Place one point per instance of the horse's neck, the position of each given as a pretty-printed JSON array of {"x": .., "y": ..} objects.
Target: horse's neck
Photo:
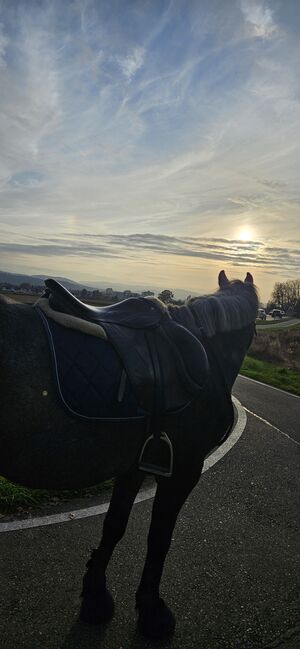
[{"x": 229, "y": 349}]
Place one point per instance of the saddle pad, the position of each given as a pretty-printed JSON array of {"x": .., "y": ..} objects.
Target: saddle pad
[{"x": 89, "y": 375}]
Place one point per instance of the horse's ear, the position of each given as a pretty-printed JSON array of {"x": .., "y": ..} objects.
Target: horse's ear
[
  {"x": 249, "y": 278},
  {"x": 222, "y": 279}
]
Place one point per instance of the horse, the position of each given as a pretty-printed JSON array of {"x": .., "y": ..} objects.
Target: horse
[{"x": 45, "y": 445}]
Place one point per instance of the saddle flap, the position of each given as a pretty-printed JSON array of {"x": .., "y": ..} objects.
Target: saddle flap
[
  {"x": 182, "y": 361},
  {"x": 132, "y": 348},
  {"x": 189, "y": 356}
]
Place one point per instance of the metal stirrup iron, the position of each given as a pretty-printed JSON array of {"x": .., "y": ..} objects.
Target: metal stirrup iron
[{"x": 157, "y": 455}]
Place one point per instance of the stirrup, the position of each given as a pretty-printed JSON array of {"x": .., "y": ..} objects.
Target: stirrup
[{"x": 157, "y": 456}]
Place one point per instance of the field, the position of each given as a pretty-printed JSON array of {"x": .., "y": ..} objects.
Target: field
[
  {"x": 25, "y": 298},
  {"x": 274, "y": 358},
  {"x": 31, "y": 298},
  {"x": 279, "y": 346}
]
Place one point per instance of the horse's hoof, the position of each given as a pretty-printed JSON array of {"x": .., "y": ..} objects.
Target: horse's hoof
[
  {"x": 156, "y": 622},
  {"x": 97, "y": 610}
]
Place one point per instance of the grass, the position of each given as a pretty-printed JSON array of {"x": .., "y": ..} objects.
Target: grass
[
  {"x": 21, "y": 500},
  {"x": 278, "y": 346},
  {"x": 276, "y": 375},
  {"x": 274, "y": 358}
]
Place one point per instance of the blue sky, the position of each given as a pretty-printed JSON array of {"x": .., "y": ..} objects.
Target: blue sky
[{"x": 150, "y": 142}]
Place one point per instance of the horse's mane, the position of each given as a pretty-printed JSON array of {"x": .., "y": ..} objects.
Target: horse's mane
[{"x": 232, "y": 307}]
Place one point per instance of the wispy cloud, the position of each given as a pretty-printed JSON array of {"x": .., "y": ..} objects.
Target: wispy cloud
[
  {"x": 150, "y": 246},
  {"x": 259, "y": 17},
  {"x": 170, "y": 117},
  {"x": 132, "y": 62},
  {"x": 3, "y": 45}
]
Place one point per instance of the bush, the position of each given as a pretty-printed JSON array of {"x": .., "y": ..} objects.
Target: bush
[{"x": 280, "y": 347}]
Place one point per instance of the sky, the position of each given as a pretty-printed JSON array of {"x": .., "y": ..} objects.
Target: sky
[{"x": 150, "y": 142}]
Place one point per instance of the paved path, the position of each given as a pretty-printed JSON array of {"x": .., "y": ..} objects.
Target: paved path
[
  {"x": 276, "y": 322},
  {"x": 232, "y": 575}
]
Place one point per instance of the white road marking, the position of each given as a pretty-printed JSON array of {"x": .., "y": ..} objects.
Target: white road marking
[
  {"x": 146, "y": 494},
  {"x": 272, "y": 387},
  {"x": 265, "y": 421},
  {"x": 231, "y": 440}
]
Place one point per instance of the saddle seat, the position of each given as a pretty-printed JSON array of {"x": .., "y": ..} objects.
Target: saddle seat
[
  {"x": 166, "y": 364},
  {"x": 135, "y": 312}
]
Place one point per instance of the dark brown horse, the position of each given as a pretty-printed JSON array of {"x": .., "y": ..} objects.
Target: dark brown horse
[{"x": 44, "y": 445}]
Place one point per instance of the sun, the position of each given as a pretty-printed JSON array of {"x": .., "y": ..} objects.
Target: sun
[{"x": 245, "y": 234}]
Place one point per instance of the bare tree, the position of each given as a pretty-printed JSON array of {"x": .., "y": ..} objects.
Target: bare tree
[{"x": 286, "y": 294}]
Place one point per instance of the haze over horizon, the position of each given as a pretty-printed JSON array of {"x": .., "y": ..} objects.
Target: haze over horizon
[{"x": 150, "y": 143}]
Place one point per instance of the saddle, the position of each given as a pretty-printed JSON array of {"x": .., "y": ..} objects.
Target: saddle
[
  {"x": 165, "y": 363},
  {"x": 135, "y": 312}
]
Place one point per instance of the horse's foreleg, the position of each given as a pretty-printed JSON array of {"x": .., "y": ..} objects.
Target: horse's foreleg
[
  {"x": 155, "y": 618},
  {"x": 97, "y": 603}
]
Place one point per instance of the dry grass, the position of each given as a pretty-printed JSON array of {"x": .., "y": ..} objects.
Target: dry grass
[
  {"x": 25, "y": 298},
  {"x": 281, "y": 347}
]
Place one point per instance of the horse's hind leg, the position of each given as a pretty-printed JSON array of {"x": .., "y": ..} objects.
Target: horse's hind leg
[
  {"x": 155, "y": 618},
  {"x": 97, "y": 605}
]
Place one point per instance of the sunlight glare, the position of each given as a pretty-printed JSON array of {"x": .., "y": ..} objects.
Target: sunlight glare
[{"x": 245, "y": 234}]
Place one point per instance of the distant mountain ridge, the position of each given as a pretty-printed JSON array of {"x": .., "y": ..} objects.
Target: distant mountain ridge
[{"x": 35, "y": 280}]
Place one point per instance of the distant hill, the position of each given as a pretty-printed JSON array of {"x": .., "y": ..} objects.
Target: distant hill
[{"x": 36, "y": 280}]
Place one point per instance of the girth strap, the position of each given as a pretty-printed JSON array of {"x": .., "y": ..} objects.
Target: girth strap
[{"x": 159, "y": 401}]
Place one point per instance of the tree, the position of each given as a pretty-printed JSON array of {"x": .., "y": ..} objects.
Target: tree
[
  {"x": 297, "y": 309},
  {"x": 285, "y": 294},
  {"x": 166, "y": 296}
]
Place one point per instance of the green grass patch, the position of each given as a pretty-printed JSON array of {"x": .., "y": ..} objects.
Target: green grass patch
[
  {"x": 276, "y": 375},
  {"x": 17, "y": 499}
]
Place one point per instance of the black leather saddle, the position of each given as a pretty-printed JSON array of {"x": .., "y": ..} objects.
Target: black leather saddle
[
  {"x": 166, "y": 364},
  {"x": 135, "y": 312}
]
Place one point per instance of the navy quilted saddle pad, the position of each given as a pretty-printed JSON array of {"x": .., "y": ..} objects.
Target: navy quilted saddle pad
[{"x": 89, "y": 375}]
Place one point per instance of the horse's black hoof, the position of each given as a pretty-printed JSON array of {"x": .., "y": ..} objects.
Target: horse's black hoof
[
  {"x": 97, "y": 610},
  {"x": 156, "y": 622}
]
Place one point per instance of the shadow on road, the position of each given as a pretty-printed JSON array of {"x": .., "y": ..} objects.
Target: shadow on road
[{"x": 82, "y": 636}]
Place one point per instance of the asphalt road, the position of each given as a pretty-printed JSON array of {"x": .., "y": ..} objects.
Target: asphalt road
[
  {"x": 232, "y": 574},
  {"x": 275, "y": 322},
  {"x": 280, "y": 409}
]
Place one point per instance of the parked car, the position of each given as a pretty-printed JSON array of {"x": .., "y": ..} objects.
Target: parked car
[
  {"x": 261, "y": 314},
  {"x": 276, "y": 313}
]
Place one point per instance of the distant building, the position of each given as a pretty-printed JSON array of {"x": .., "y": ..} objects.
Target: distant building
[{"x": 109, "y": 291}]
